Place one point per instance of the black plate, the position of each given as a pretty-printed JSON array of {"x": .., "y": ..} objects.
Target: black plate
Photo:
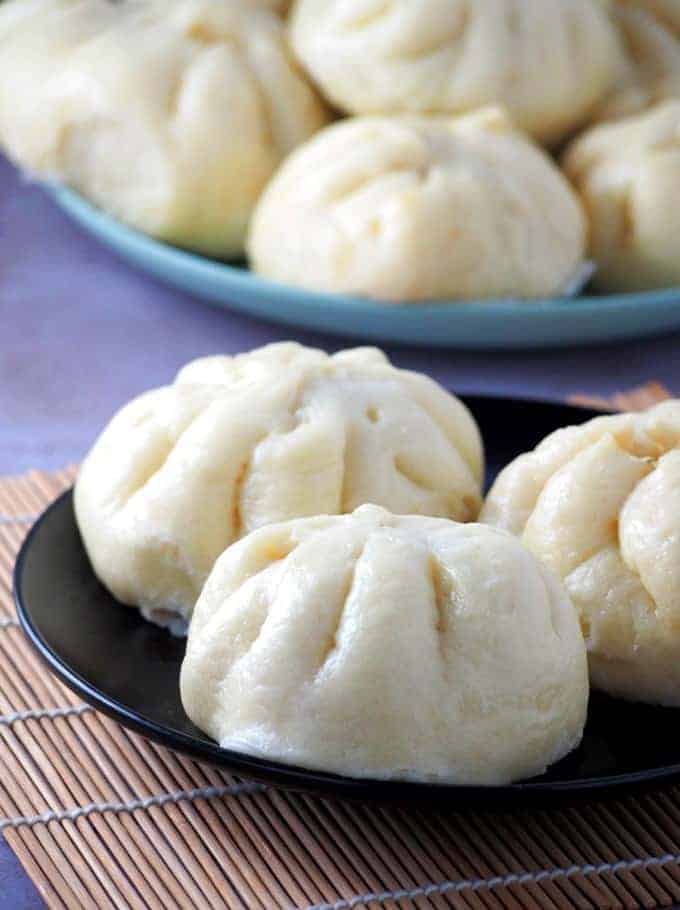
[{"x": 129, "y": 669}]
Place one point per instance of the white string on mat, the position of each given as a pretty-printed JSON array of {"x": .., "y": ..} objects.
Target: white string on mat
[
  {"x": 148, "y": 802},
  {"x": 18, "y": 519},
  {"x": 8, "y": 720},
  {"x": 498, "y": 881},
  {"x": 8, "y": 623}
]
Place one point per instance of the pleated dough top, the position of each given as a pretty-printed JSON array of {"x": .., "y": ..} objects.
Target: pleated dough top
[
  {"x": 239, "y": 442},
  {"x": 394, "y": 647},
  {"x": 549, "y": 62}
]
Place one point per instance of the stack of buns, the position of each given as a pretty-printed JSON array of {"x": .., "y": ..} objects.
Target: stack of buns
[
  {"x": 486, "y": 148},
  {"x": 353, "y": 606},
  {"x": 310, "y": 519}
]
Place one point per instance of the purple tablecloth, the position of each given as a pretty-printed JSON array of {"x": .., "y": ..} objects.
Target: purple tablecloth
[
  {"x": 80, "y": 333},
  {"x": 16, "y": 890}
]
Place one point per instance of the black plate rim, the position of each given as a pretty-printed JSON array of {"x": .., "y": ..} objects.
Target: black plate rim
[{"x": 278, "y": 773}]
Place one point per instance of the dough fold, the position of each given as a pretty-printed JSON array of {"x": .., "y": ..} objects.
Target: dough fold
[
  {"x": 550, "y": 63},
  {"x": 239, "y": 442}
]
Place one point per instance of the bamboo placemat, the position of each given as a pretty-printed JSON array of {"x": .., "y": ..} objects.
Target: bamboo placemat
[{"x": 100, "y": 818}]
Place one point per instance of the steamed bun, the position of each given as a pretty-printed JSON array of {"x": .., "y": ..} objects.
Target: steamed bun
[
  {"x": 600, "y": 505},
  {"x": 170, "y": 114},
  {"x": 414, "y": 208},
  {"x": 239, "y": 442},
  {"x": 628, "y": 176},
  {"x": 651, "y": 60},
  {"x": 385, "y": 647},
  {"x": 548, "y": 62}
]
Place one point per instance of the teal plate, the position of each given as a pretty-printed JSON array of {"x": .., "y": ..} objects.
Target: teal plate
[{"x": 479, "y": 325}]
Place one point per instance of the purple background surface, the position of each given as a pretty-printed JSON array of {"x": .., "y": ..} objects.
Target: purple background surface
[
  {"x": 80, "y": 333},
  {"x": 16, "y": 889}
]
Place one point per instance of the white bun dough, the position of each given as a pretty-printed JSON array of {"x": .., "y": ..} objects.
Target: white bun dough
[
  {"x": 650, "y": 69},
  {"x": 549, "y": 62},
  {"x": 239, "y": 442},
  {"x": 170, "y": 115},
  {"x": 277, "y": 6},
  {"x": 376, "y": 646},
  {"x": 600, "y": 505},
  {"x": 628, "y": 176},
  {"x": 420, "y": 208}
]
